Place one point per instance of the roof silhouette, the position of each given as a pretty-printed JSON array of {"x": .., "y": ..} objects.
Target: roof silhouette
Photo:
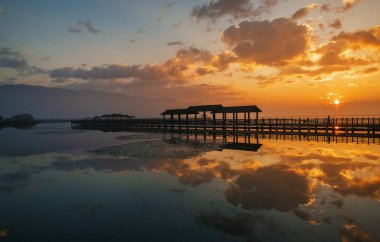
[{"x": 238, "y": 109}]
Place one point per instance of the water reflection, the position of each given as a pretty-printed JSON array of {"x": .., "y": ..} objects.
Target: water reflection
[
  {"x": 271, "y": 187},
  {"x": 184, "y": 189}
]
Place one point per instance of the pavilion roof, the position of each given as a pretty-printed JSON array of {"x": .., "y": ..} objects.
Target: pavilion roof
[
  {"x": 238, "y": 109},
  {"x": 178, "y": 111},
  {"x": 205, "y": 107}
]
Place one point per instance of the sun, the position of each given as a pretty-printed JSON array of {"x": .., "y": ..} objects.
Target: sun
[{"x": 336, "y": 101}]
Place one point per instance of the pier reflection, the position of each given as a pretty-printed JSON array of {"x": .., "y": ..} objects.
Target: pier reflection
[{"x": 251, "y": 142}]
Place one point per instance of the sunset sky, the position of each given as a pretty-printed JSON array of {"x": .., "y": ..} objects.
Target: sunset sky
[{"x": 288, "y": 57}]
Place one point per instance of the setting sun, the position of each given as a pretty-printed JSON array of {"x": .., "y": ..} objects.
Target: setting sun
[{"x": 336, "y": 102}]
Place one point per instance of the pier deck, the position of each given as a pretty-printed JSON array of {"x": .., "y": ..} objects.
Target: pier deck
[{"x": 346, "y": 127}]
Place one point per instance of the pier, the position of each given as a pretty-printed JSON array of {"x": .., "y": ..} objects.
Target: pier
[{"x": 216, "y": 120}]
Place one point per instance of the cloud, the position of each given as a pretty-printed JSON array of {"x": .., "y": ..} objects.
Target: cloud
[
  {"x": 113, "y": 165},
  {"x": 171, "y": 78},
  {"x": 369, "y": 70},
  {"x": 10, "y": 53},
  {"x": 178, "y": 69},
  {"x": 237, "y": 224},
  {"x": 83, "y": 25},
  {"x": 347, "y": 5},
  {"x": 268, "y": 188},
  {"x": 325, "y": 7},
  {"x": 267, "y": 42},
  {"x": 11, "y": 182},
  {"x": 169, "y": 5},
  {"x": 175, "y": 43},
  {"x": 333, "y": 52},
  {"x": 336, "y": 24},
  {"x": 302, "y": 12},
  {"x": 354, "y": 232},
  {"x": 343, "y": 52},
  {"x": 12, "y": 63},
  {"x": 235, "y": 9},
  {"x": 74, "y": 29},
  {"x": 265, "y": 7},
  {"x": 12, "y": 59},
  {"x": 216, "y": 9},
  {"x": 141, "y": 73},
  {"x": 87, "y": 25}
]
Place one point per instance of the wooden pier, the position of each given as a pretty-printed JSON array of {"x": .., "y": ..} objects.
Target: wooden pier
[
  {"x": 352, "y": 127},
  {"x": 179, "y": 121},
  {"x": 237, "y": 121}
]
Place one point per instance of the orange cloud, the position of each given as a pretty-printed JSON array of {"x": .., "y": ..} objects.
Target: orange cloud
[
  {"x": 267, "y": 42},
  {"x": 336, "y": 24},
  {"x": 347, "y": 5},
  {"x": 332, "y": 53},
  {"x": 303, "y": 12}
]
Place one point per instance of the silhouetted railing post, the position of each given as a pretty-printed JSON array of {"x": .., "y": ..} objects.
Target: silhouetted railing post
[
  {"x": 245, "y": 123},
  {"x": 179, "y": 123},
  {"x": 163, "y": 117},
  {"x": 187, "y": 122},
  {"x": 249, "y": 123},
  {"x": 196, "y": 125},
  {"x": 257, "y": 122},
  {"x": 171, "y": 123}
]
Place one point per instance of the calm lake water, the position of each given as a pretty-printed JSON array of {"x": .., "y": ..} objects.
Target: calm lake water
[{"x": 58, "y": 184}]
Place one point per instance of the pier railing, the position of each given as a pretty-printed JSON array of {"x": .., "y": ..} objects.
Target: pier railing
[{"x": 349, "y": 127}]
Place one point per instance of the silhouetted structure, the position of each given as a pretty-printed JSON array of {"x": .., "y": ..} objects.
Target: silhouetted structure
[
  {"x": 115, "y": 116},
  {"x": 18, "y": 121},
  {"x": 237, "y": 121}
]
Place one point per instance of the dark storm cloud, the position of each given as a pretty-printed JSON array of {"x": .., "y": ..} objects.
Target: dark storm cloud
[{"x": 267, "y": 42}]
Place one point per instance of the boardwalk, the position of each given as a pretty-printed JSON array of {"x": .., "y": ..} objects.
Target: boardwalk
[
  {"x": 345, "y": 127},
  {"x": 236, "y": 121}
]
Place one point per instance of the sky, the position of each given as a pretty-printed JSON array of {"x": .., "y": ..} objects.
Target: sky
[{"x": 291, "y": 57}]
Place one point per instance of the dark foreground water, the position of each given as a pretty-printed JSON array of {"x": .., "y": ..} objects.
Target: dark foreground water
[{"x": 62, "y": 185}]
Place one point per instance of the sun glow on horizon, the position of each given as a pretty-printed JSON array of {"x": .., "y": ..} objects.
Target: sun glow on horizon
[{"x": 336, "y": 101}]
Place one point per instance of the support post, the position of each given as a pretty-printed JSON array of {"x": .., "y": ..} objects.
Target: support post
[
  {"x": 249, "y": 123},
  {"x": 171, "y": 123},
  {"x": 179, "y": 123},
  {"x": 163, "y": 117},
  {"x": 187, "y": 123},
  {"x": 257, "y": 122}
]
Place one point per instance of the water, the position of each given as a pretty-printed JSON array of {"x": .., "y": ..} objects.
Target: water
[{"x": 62, "y": 185}]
